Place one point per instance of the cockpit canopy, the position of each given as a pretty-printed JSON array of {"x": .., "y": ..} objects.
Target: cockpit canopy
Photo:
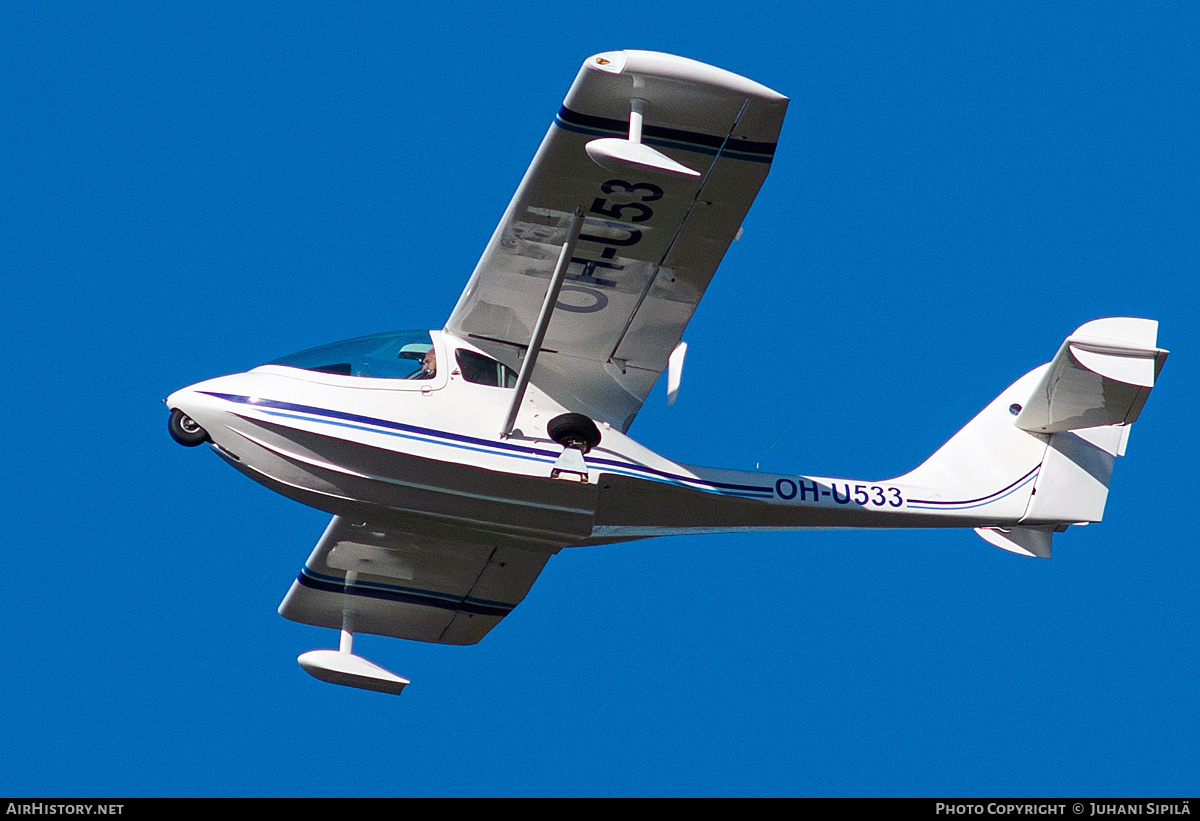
[{"x": 396, "y": 355}]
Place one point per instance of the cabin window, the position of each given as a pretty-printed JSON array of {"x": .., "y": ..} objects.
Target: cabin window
[
  {"x": 483, "y": 370},
  {"x": 397, "y": 355}
]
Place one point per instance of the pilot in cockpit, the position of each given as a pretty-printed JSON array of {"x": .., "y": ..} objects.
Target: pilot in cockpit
[
  {"x": 425, "y": 354},
  {"x": 428, "y": 366}
]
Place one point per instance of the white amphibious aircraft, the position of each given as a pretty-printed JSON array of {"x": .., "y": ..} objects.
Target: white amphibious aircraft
[{"x": 456, "y": 462}]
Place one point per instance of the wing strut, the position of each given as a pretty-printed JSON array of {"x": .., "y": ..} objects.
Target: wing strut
[{"x": 543, "y": 320}]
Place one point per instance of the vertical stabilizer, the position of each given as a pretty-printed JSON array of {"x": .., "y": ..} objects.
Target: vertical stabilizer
[{"x": 1041, "y": 455}]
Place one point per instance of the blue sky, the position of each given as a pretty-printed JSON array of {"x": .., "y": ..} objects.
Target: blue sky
[{"x": 191, "y": 192}]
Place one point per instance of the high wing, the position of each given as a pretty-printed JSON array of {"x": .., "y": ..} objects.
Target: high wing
[
  {"x": 447, "y": 587},
  {"x": 651, "y": 239}
]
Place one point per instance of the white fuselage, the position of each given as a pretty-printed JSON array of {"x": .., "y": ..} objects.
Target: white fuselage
[{"x": 432, "y": 450}]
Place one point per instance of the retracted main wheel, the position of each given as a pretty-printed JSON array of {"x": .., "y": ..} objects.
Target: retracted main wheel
[
  {"x": 574, "y": 430},
  {"x": 185, "y": 430}
]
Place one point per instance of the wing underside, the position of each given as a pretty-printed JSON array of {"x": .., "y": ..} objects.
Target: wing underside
[
  {"x": 448, "y": 588},
  {"x": 651, "y": 240}
]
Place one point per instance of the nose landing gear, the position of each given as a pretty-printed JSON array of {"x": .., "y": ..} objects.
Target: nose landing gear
[{"x": 185, "y": 430}]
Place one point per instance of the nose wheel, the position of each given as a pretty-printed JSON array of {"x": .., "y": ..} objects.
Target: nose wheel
[{"x": 185, "y": 430}]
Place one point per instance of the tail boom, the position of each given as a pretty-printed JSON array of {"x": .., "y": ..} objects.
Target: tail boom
[{"x": 1001, "y": 474}]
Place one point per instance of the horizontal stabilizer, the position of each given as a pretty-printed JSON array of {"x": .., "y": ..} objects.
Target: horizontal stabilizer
[
  {"x": 1102, "y": 375},
  {"x": 1026, "y": 541}
]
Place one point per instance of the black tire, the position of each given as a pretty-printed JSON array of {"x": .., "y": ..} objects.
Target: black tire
[
  {"x": 574, "y": 430},
  {"x": 185, "y": 431}
]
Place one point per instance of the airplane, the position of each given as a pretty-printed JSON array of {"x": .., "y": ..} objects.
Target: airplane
[{"x": 456, "y": 462}]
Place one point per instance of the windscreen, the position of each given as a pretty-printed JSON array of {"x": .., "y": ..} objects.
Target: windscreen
[{"x": 396, "y": 355}]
